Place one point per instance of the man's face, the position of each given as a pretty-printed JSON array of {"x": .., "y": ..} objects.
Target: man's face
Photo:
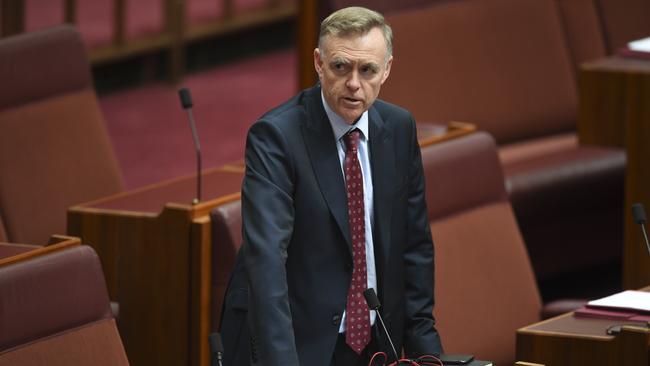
[{"x": 351, "y": 70}]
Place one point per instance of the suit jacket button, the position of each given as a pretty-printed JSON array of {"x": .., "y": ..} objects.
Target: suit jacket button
[{"x": 336, "y": 319}]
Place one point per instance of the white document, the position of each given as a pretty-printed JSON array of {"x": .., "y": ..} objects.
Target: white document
[
  {"x": 642, "y": 45},
  {"x": 635, "y": 300}
]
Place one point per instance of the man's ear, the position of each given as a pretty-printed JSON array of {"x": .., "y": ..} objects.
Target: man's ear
[
  {"x": 318, "y": 62},
  {"x": 389, "y": 63}
]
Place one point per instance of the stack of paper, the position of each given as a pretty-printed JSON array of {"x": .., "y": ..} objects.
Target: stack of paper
[
  {"x": 636, "y": 49},
  {"x": 642, "y": 45},
  {"x": 626, "y": 305}
]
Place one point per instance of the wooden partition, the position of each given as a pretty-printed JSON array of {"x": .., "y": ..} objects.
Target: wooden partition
[
  {"x": 155, "y": 251},
  {"x": 175, "y": 35},
  {"x": 615, "y": 111},
  {"x": 567, "y": 341}
]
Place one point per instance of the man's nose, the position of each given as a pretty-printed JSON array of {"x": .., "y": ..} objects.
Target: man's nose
[{"x": 353, "y": 81}]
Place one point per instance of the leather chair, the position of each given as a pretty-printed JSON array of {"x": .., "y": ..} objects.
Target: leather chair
[
  {"x": 54, "y": 310},
  {"x": 485, "y": 286},
  {"x": 506, "y": 66},
  {"x": 54, "y": 148},
  {"x": 226, "y": 241}
]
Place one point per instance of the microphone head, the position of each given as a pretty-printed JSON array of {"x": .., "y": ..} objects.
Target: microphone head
[
  {"x": 638, "y": 213},
  {"x": 186, "y": 98},
  {"x": 215, "y": 343},
  {"x": 371, "y": 299}
]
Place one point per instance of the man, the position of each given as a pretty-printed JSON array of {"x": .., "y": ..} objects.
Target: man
[{"x": 333, "y": 204}]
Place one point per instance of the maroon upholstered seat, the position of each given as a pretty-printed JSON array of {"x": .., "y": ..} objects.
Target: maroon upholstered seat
[
  {"x": 12, "y": 249},
  {"x": 583, "y": 30},
  {"x": 485, "y": 286},
  {"x": 226, "y": 240},
  {"x": 54, "y": 310},
  {"x": 509, "y": 66},
  {"x": 54, "y": 149}
]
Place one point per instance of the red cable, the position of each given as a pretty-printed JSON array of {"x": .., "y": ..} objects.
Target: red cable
[{"x": 426, "y": 360}]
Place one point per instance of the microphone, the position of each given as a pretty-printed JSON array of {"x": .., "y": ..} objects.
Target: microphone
[
  {"x": 186, "y": 103},
  {"x": 374, "y": 304},
  {"x": 639, "y": 217},
  {"x": 216, "y": 349}
]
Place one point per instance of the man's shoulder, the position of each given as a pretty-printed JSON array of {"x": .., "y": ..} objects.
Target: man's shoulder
[
  {"x": 393, "y": 116},
  {"x": 292, "y": 110},
  {"x": 389, "y": 111}
]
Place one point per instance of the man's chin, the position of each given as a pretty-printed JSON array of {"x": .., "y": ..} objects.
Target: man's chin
[{"x": 351, "y": 115}]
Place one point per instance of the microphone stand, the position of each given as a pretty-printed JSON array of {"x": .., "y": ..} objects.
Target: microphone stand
[
  {"x": 639, "y": 217},
  {"x": 374, "y": 304},
  {"x": 186, "y": 103},
  {"x": 216, "y": 348}
]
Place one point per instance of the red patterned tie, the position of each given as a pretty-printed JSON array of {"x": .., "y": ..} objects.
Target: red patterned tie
[{"x": 357, "y": 326}]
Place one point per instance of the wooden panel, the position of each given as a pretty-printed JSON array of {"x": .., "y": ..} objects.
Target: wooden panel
[
  {"x": 158, "y": 264},
  {"x": 12, "y": 17},
  {"x": 201, "y": 314},
  {"x": 146, "y": 262},
  {"x": 70, "y": 11},
  {"x": 636, "y": 259},
  {"x": 240, "y": 22},
  {"x": 308, "y": 30},
  {"x": 628, "y": 348},
  {"x": 174, "y": 37},
  {"x": 567, "y": 340},
  {"x": 175, "y": 27},
  {"x": 227, "y": 6},
  {"x": 600, "y": 120},
  {"x": 615, "y": 111},
  {"x": 119, "y": 22}
]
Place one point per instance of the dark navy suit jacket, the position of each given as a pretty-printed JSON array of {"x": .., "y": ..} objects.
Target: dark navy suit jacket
[{"x": 288, "y": 291}]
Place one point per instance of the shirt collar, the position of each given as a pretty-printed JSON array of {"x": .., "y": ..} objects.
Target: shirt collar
[{"x": 340, "y": 127}]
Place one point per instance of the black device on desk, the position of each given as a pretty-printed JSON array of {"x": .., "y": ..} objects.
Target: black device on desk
[
  {"x": 462, "y": 360},
  {"x": 456, "y": 359}
]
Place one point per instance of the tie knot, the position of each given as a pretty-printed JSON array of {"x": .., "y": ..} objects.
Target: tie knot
[{"x": 351, "y": 140}]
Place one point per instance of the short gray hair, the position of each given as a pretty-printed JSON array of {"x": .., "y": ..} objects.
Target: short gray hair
[{"x": 355, "y": 20}]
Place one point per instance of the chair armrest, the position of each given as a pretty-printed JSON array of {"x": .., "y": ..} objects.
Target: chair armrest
[{"x": 11, "y": 249}]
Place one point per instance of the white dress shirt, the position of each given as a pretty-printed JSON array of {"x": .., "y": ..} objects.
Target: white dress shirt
[{"x": 340, "y": 128}]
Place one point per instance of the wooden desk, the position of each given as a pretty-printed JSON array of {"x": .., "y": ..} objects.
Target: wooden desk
[
  {"x": 568, "y": 340},
  {"x": 155, "y": 248},
  {"x": 615, "y": 111}
]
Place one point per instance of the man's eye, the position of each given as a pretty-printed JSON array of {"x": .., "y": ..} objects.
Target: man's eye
[
  {"x": 339, "y": 66},
  {"x": 368, "y": 70}
]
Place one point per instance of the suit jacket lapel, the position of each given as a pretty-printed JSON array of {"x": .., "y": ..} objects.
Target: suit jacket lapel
[
  {"x": 382, "y": 157},
  {"x": 323, "y": 154}
]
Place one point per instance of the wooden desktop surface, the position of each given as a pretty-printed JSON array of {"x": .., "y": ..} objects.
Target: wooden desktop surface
[
  {"x": 615, "y": 111},
  {"x": 155, "y": 248},
  {"x": 567, "y": 340}
]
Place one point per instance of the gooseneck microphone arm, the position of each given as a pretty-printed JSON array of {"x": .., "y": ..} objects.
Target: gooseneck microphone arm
[
  {"x": 216, "y": 347},
  {"x": 374, "y": 304},
  {"x": 186, "y": 103},
  {"x": 639, "y": 217}
]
